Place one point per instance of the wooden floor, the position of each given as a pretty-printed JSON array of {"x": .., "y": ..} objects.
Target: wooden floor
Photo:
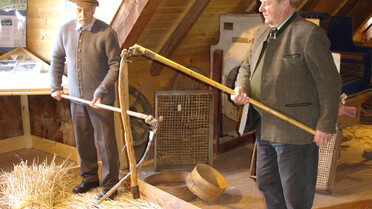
[{"x": 352, "y": 187}]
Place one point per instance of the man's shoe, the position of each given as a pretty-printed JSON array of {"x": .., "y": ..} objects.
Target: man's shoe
[
  {"x": 85, "y": 186},
  {"x": 104, "y": 191}
]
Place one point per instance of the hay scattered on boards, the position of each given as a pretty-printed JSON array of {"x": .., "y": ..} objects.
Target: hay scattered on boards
[
  {"x": 44, "y": 186},
  {"x": 360, "y": 134},
  {"x": 88, "y": 201}
]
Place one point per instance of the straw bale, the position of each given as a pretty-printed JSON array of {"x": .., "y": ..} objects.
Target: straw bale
[
  {"x": 34, "y": 186},
  {"x": 44, "y": 186}
]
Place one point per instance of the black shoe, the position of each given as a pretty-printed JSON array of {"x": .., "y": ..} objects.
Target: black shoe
[
  {"x": 104, "y": 191},
  {"x": 85, "y": 186}
]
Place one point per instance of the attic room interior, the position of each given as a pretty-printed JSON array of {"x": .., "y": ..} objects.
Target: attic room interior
[{"x": 177, "y": 130}]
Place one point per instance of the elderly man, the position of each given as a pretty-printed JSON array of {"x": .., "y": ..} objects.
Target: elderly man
[
  {"x": 291, "y": 70},
  {"x": 89, "y": 49}
]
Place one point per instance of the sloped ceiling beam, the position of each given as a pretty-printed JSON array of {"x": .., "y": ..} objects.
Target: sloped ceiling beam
[
  {"x": 310, "y": 5},
  {"x": 179, "y": 33},
  {"x": 339, "y": 7},
  {"x": 301, "y": 4},
  {"x": 346, "y": 7},
  {"x": 132, "y": 18},
  {"x": 359, "y": 9}
]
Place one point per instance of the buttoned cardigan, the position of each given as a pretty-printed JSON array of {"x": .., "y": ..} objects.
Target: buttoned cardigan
[{"x": 91, "y": 58}]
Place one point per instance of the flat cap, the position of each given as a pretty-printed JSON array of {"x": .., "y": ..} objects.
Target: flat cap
[{"x": 90, "y": 2}]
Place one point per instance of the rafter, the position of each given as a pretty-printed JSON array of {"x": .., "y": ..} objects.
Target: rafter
[
  {"x": 360, "y": 10},
  {"x": 301, "y": 4},
  {"x": 179, "y": 33},
  {"x": 132, "y": 18},
  {"x": 310, "y": 5},
  {"x": 339, "y": 7}
]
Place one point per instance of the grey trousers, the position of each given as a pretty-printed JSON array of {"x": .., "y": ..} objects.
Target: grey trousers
[
  {"x": 286, "y": 174},
  {"x": 90, "y": 124}
]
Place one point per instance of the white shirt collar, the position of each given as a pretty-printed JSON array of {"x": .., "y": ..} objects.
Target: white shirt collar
[{"x": 87, "y": 27}]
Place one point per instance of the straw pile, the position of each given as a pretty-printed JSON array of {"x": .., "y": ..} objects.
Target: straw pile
[
  {"x": 35, "y": 186},
  {"x": 44, "y": 186},
  {"x": 360, "y": 134}
]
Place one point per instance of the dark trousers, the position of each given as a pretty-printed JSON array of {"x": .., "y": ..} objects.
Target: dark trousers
[
  {"x": 90, "y": 124},
  {"x": 286, "y": 174}
]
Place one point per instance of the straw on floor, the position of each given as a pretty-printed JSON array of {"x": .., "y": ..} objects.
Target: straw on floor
[{"x": 49, "y": 185}]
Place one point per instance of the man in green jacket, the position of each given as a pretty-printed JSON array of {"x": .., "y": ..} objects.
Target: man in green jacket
[{"x": 291, "y": 70}]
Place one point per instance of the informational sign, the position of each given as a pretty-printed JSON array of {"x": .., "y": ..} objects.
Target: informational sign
[
  {"x": 12, "y": 24},
  {"x": 12, "y": 5},
  {"x": 12, "y": 30}
]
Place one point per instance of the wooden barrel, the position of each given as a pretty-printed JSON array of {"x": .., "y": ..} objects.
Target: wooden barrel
[
  {"x": 206, "y": 182},
  {"x": 173, "y": 183}
]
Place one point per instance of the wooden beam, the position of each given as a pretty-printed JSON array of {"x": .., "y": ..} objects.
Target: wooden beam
[
  {"x": 26, "y": 121},
  {"x": 339, "y": 7},
  {"x": 346, "y": 8},
  {"x": 179, "y": 33},
  {"x": 360, "y": 10},
  {"x": 253, "y": 6},
  {"x": 132, "y": 18},
  {"x": 301, "y": 4},
  {"x": 310, "y": 5}
]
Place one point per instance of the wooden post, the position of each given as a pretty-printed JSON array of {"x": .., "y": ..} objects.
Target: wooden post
[
  {"x": 123, "y": 96},
  {"x": 26, "y": 122},
  {"x": 217, "y": 110}
]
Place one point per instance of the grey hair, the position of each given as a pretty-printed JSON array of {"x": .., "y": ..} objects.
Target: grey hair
[{"x": 293, "y": 3}]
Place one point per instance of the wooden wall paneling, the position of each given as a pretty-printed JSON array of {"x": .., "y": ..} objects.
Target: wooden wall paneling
[
  {"x": 43, "y": 21},
  {"x": 179, "y": 33},
  {"x": 241, "y": 5},
  {"x": 205, "y": 31},
  {"x": 141, "y": 79},
  {"x": 131, "y": 19}
]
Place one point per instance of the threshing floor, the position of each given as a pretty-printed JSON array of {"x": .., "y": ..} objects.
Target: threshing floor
[{"x": 352, "y": 186}]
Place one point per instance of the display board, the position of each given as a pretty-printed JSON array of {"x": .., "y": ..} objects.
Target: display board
[
  {"x": 21, "y": 72},
  {"x": 13, "y": 24}
]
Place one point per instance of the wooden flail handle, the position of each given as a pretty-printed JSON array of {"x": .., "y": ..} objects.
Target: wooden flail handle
[
  {"x": 152, "y": 55},
  {"x": 149, "y": 119}
]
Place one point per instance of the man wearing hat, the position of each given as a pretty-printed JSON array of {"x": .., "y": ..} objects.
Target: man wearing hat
[{"x": 89, "y": 50}]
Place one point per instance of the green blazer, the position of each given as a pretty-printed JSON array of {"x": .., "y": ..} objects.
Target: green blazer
[{"x": 299, "y": 79}]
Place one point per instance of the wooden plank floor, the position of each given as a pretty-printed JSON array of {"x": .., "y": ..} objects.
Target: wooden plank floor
[{"x": 352, "y": 187}]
